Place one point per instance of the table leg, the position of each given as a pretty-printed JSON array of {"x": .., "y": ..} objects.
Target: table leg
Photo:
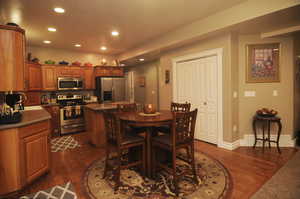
[
  {"x": 269, "y": 136},
  {"x": 148, "y": 146},
  {"x": 278, "y": 135},
  {"x": 254, "y": 130},
  {"x": 263, "y": 147}
]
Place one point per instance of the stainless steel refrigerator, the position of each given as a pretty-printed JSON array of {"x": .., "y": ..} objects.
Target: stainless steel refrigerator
[{"x": 110, "y": 89}]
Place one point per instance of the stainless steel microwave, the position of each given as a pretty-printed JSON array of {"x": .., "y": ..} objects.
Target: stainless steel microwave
[{"x": 69, "y": 83}]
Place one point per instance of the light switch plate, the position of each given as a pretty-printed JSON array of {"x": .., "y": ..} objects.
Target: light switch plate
[
  {"x": 235, "y": 94},
  {"x": 275, "y": 93},
  {"x": 249, "y": 93}
]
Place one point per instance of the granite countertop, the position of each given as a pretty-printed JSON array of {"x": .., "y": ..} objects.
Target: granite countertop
[
  {"x": 102, "y": 107},
  {"x": 28, "y": 117}
]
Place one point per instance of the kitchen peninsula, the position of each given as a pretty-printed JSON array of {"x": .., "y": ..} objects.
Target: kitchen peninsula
[
  {"x": 24, "y": 150},
  {"x": 95, "y": 121}
]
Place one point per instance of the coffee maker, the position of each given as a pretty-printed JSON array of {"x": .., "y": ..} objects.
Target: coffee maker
[{"x": 10, "y": 111}]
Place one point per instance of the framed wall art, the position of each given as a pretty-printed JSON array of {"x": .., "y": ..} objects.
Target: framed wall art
[{"x": 263, "y": 63}]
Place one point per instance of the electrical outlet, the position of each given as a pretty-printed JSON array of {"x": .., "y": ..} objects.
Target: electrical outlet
[
  {"x": 235, "y": 94},
  {"x": 234, "y": 128}
]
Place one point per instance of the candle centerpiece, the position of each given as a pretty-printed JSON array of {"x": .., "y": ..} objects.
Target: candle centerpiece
[{"x": 149, "y": 109}]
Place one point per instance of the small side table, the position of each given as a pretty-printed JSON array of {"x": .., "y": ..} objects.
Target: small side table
[{"x": 266, "y": 122}]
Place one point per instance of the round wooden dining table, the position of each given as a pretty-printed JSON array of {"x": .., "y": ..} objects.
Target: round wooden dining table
[{"x": 138, "y": 119}]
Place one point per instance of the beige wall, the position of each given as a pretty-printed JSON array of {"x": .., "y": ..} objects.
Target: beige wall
[
  {"x": 165, "y": 90},
  {"x": 149, "y": 93},
  {"x": 297, "y": 83},
  {"x": 264, "y": 97},
  {"x": 57, "y": 55}
]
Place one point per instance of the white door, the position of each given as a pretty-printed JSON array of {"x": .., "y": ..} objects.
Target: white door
[{"x": 196, "y": 81}]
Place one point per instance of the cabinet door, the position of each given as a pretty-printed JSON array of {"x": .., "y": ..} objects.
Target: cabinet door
[
  {"x": 76, "y": 71},
  {"x": 12, "y": 60},
  {"x": 54, "y": 112},
  {"x": 35, "y": 77},
  {"x": 49, "y": 78},
  {"x": 89, "y": 78},
  {"x": 63, "y": 71},
  {"x": 117, "y": 72},
  {"x": 36, "y": 151}
]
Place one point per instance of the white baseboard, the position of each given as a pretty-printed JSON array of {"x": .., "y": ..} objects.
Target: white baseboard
[
  {"x": 248, "y": 140},
  {"x": 284, "y": 141},
  {"x": 230, "y": 145}
]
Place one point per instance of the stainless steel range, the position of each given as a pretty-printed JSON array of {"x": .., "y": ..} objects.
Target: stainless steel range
[{"x": 71, "y": 113}]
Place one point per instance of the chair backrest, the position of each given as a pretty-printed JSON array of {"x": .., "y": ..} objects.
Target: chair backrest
[
  {"x": 127, "y": 107},
  {"x": 180, "y": 107},
  {"x": 183, "y": 127},
  {"x": 112, "y": 128}
]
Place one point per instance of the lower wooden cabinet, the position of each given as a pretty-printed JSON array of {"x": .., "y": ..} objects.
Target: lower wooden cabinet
[
  {"x": 36, "y": 160},
  {"x": 55, "y": 127},
  {"x": 24, "y": 155}
]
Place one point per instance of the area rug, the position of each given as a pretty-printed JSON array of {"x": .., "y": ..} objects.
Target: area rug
[
  {"x": 214, "y": 182},
  {"x": 63, "y": 143},
  {"x": 65, "y": 191},
  {"x": 285, "y": 184}
]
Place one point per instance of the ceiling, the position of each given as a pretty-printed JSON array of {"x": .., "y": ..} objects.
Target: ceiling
[{"x": 90, "y": 22}]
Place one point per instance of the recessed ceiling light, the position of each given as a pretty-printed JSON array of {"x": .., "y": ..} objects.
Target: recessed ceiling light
[
  {"x": 51, "y": 29},
  {"x": 115, "y": 33},
  {"x": 47, "y": 41},
  {"x": 77, "y": 45},
  {"x": 141, "y": 59},
  {"x": 59, "y": 10},
  {"x": 103, "y": 48}
]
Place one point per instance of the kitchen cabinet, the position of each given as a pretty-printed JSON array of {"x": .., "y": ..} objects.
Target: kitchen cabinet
[
  {"x": 34, "y": 77},
  {"x": 49, "y": 77},
  {"x": 54, "y": 112},
  {"x": 69, "y": 71},
  {"x": 89, "y": 78},
  {"x": 32, "y": 98},
  {"x": 109, "y": 71},
  {"x": 12, "y": 58},
  {"x": 24, "y": 155}
]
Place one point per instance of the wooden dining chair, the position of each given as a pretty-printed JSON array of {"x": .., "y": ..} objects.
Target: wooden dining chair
[
  {"x": 117, "y": 140},
  {"x": 182, "y": 136},
  {"x": 175, "y": 107},
  {"x": 123, "y": 108},
  {"x": 127, "y": 107}
]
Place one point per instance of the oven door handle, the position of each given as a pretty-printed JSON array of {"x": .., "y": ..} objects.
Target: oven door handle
[{"x": 72, "y": 126}]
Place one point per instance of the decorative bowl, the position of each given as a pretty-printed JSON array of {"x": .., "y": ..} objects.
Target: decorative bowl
[{"x": 265, "y": 112}]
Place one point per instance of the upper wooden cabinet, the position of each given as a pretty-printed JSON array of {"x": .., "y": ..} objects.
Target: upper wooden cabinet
[
  {"x": 12, "y": 58},
  {"x": 109, "y": 71},
  {"x": 49, "y": 77},
  {"x": 34, "y": 77},
  {"x": 69, "y": 71},
  {"x": 89, "y": 78}
]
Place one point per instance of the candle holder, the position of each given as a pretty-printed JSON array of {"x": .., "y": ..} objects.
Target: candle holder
[{"x": 149, "y": 109}]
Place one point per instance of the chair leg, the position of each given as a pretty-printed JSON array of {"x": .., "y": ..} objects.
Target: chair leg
[
  {"x": 118, "y": 172},
  {"x": 106, "y": 163},
  {"x": 175, "y": 177},
  {"x": 143, "y": 158},
  {"x": 153, "y": 162},
  {"x": 193, "y": 163}
]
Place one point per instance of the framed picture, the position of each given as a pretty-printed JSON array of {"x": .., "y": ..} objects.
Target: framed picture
[{"x": 262, "y": 63}]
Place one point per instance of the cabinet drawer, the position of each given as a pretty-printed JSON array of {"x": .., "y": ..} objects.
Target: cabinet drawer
[{"x": 34, "y": 128}]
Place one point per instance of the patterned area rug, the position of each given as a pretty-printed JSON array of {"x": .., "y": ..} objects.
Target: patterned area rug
[
  {"x": 214, "y": 182},
  {"x": 57, "y": 192},
  {"x": 63, "y": 143}
]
